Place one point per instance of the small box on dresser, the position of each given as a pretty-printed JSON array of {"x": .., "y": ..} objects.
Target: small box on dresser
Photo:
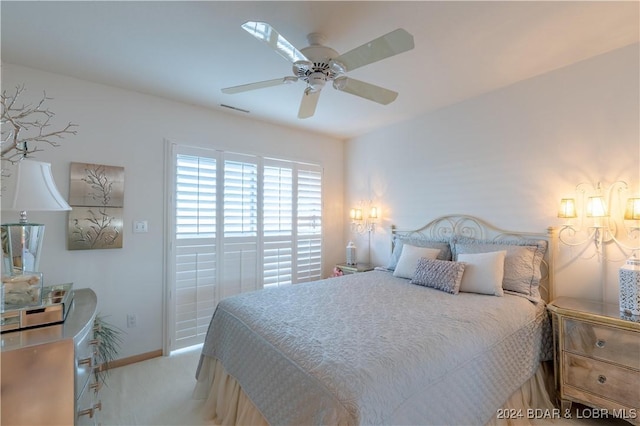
[{"x": 597, "y": 357}]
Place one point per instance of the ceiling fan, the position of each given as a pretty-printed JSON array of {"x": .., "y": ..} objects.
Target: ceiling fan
[{"x": 318, "y": 64}]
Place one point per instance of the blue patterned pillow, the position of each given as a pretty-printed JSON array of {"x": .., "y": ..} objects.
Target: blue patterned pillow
[{"x": 441, "y": 275}]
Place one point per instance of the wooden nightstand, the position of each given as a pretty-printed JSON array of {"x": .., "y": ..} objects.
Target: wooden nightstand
[
  {"x": 354, "y": 269},
  {"x": 597, "y": 357}
]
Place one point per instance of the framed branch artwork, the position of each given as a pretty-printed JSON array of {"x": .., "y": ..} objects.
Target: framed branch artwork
[{"x": 96, "y": 196}]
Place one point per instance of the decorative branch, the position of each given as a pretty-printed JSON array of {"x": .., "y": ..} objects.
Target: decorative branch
[{"x": 24, "y": 126}]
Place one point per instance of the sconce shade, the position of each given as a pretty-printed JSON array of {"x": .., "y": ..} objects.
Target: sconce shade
[
  {"x": 567, "y": 208},
  {"x": 358, "y": 215},
  {"x": 35, "y": 189},
  {"x": 596, "y": 207},
  {"x": 373, "y": 214},
  {"x": 632, "y": 212}
]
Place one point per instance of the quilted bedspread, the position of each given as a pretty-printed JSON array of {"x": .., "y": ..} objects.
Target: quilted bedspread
[{"x": 371, "y": 348}]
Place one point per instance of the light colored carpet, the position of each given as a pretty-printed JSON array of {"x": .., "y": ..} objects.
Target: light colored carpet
[
  {"x": 158, "y": 392},
  {"x": 153, "y": 393}
]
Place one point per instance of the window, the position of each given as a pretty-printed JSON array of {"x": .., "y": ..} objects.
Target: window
[{"x": 241, "y": 223}]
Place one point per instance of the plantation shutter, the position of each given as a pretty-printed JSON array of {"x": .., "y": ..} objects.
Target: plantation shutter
[
  {"x": 309, "y": 224},
  {"x": 240, "y": 243},
  {"x": 278, "y": 223},
  {"x": 195, "y": 247}
]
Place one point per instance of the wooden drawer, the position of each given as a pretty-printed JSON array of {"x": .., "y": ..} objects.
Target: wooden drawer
[
  {"x": 609, "y": 381},
  {"x": 602, "y": 342}
]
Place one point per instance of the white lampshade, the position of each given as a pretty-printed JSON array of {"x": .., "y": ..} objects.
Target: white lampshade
[
  {"x": 373, "y": 213},
  {"x": 596, "y": 207},
  {"x": 35, "y": 189},
  {"x": 567, "y": 208},
  {"x": 632, "y": 212}
]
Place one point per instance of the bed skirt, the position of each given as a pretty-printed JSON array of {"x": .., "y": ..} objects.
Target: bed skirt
[{"x": 226, "y": 403}]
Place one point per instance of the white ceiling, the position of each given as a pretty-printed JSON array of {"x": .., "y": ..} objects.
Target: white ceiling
[{"x": 188, "y": 51}]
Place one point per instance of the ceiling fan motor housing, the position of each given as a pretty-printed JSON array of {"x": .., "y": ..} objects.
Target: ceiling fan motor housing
[{"x": 318, "y": 70}]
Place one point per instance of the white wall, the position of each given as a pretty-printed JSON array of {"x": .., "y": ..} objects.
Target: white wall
[
  {"x": 124, "y": 128},
  {"x": 508, "y": 157}
]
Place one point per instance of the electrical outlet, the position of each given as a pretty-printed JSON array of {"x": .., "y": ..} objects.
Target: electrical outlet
[
  {"x": 132, "y": 320},
  {"x": 140, "y": 226}
]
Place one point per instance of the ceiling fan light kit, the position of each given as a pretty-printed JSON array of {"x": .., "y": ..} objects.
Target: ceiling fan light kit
[{"x": 318, "y": 64}]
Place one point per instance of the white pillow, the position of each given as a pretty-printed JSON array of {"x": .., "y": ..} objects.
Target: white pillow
[
  {"x": 408, "y": 262},
  {"x": 483, "y": 272}
]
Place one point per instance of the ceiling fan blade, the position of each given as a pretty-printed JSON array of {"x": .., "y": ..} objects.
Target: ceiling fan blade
[
  {"x": 309, "y": 103},
  {"x": 267, "y": 34},
  {"x": 365, "y": 90},
  {"x": 259, "y": 85},
  {"x": 390, "y": 44}
]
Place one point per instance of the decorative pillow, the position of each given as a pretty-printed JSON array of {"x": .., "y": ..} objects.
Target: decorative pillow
[
  {"x": 522, "y": 264},
  {"x": 483, "y": 272},
  {"x": 408, "y": 261},
  {"x": 399, "y": 241},
  {"x": 442, "y": 275}
]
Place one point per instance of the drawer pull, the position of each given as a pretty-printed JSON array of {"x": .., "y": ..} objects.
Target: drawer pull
[
  {"x": 600, "y": 343},
  {"x": 87, "y": 412},
  {"x": 91, "y": 411},
  {"x": 86, "y": 361},
  {"x": 602, "y": 379},
  {"x": 96, "y": 386}
]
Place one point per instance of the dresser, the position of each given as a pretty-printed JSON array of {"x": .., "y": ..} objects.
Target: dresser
[
  {"x": 46, "y": 377},
  {"x": 597, "y": 358}
]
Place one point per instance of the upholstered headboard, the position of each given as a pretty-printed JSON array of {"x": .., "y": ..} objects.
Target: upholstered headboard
[{"x": 450, "y": 227}]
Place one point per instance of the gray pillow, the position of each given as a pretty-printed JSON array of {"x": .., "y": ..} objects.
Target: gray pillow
[
  {"x": 521, "y": 265},
  {"x": 442, "y": 275},
  {"x": 399, "y": 241}
]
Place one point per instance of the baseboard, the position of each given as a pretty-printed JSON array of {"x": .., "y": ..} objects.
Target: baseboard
[{"x": 133, "y": 359}]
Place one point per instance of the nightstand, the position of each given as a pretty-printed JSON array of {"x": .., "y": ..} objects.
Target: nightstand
[
  {"x": 597, "y": 357},
  {"x": 354, "y": 269}
]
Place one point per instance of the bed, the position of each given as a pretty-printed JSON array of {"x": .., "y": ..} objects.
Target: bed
[{"x": 415, "y": 342}]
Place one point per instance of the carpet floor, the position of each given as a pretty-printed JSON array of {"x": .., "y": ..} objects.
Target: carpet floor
[{"x": 153, "y": 393}]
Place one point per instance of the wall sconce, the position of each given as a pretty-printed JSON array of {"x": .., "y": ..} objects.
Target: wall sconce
[
  {"x": 600, "y": 207},
  {"x": 360, "y": 224},
  {"x": 596, "y": 204}
]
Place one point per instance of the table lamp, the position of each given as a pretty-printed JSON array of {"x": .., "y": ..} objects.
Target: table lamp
[{"x": 35, "y": 190}]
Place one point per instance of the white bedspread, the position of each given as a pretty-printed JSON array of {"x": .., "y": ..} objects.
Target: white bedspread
[{"x": 370, "y": 348}]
